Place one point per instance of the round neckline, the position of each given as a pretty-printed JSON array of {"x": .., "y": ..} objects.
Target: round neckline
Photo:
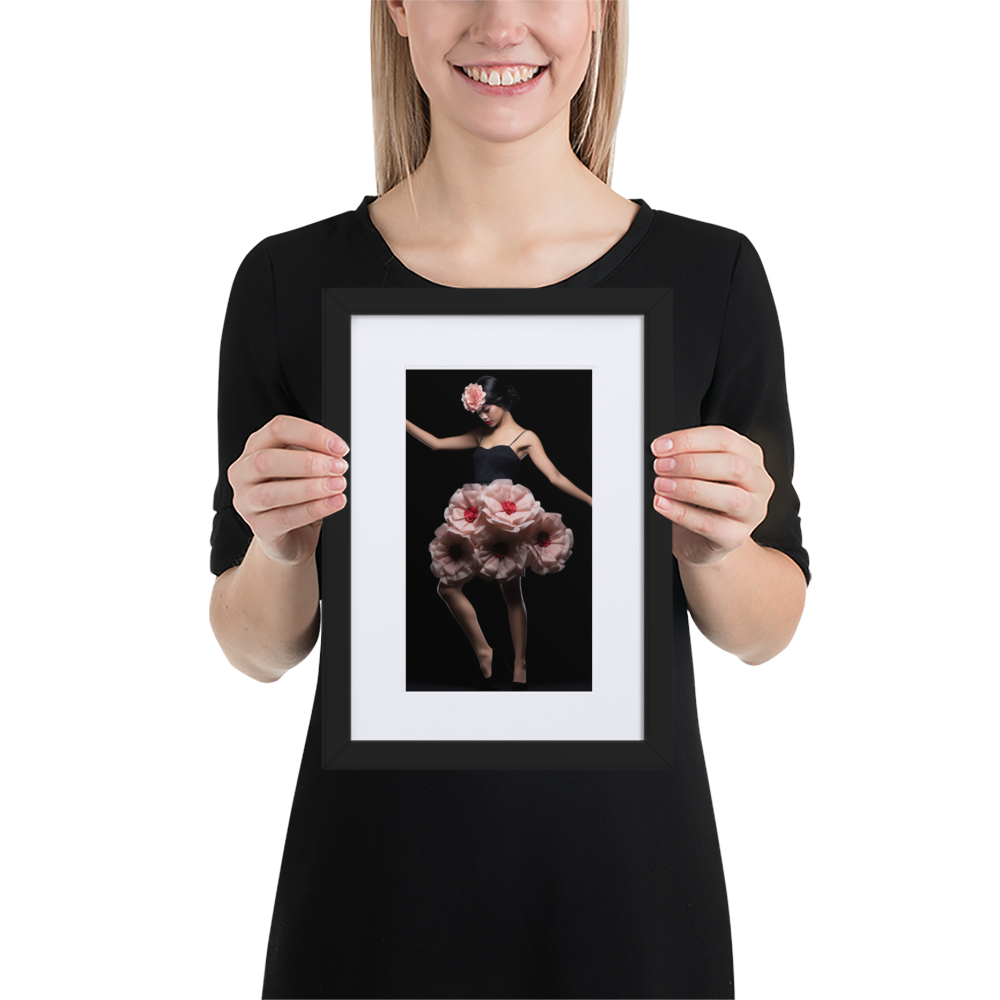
[{"x": 594, "y": 272}]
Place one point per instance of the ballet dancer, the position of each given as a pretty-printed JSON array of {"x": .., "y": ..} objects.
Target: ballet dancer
[{"x": 493, "y": 527}]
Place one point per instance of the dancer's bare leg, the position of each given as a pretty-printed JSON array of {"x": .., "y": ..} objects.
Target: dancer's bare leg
[
  {"x": 465, "y": 614},
  {"x": 517, "y": 615}
]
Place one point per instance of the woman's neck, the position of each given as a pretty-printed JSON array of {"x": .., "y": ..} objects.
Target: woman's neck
[{"x": 518, "y": 197}]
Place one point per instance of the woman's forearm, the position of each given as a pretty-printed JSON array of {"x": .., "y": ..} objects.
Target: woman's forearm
[
  {"x": 424, "y": 437},
  {"x": 748, "y": 603},
  {"x": 265, "y": 614},
  {"x": 571, "y": 488}
]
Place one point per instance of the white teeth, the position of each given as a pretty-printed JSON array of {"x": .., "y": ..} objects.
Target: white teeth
[{"x": 494, "y": 79}]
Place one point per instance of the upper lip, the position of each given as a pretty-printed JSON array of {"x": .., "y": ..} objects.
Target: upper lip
[{"x": 507, "y": 63}]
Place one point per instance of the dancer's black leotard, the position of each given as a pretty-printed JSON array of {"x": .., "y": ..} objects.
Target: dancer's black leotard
[{"x": 498, "y": 462}]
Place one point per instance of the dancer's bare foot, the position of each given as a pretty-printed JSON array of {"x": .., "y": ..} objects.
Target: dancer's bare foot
[
  {"x": 520, "y": 674},
  {"x": 486, "y": 662}
]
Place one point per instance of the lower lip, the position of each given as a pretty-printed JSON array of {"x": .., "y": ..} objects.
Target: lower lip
[{"x": 512, "y": 91}]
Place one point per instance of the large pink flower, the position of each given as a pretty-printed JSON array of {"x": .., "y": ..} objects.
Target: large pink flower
[
  {"x": 452, "y": 556},
  {"x": 549, "y": 543},
  {"x": 507, "y": 506},
  {"x": 499, "y": 555},
  {"x": 473, "y": 397},
  {"x": 463, "y": 512}
]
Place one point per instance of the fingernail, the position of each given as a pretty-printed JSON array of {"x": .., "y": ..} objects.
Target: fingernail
[
  {"x": 337, "y": 444},
  {"x": 663, "y": 446},
  {"x": 662, "y": 502},
  {"x": 336, "y": 465},
  {"x": 665, "y": 485}
]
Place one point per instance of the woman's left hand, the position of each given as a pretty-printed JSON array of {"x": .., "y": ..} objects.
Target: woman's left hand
[{"x": 712, "y": 484}]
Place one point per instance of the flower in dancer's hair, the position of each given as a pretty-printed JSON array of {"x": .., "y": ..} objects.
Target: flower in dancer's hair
[{"x": 473, "y": 397}]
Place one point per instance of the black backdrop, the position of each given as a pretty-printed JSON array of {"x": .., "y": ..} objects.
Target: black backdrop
[{"x": 557, "y": 405}]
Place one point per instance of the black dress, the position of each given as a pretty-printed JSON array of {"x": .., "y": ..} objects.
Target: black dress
[
  {"x": 499, "y": 883},
  {"x": 500, "y": 461},
  {"x": 494, "y": 528}
]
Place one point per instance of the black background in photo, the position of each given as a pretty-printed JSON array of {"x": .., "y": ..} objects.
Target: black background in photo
[{"x": 557, "y": 404}]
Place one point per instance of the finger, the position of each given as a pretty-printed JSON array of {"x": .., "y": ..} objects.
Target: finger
[
  {"x": 272, "y": 524},
  {"x": 718, "y": 529},
  {"x": 283, "y": 430},
  {"x": 732, "y": 501},
  {"x": 711, "y": 437},
  {"x": 716, "y": 466},
  {"x": 289, "y": 463},
  {"x": 290, "y": 492}
]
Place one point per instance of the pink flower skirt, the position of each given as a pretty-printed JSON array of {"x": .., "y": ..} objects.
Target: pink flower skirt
[{"x": 497, "y": 531}]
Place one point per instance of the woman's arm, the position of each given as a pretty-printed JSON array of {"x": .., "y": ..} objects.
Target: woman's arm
[
  {"x": 265, "y": 614},
  {"x": 748, "y": 603},
  {"x": 545, "y": 465},
  {"x": 462, "y": 441},
  {"x": 712, "y": 484},
  {"x": 572, "y": 489},
  {"x": 424, "y": 437}
]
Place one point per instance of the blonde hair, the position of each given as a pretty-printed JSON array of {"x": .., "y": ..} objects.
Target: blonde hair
[{"x": 401, "y": 110}]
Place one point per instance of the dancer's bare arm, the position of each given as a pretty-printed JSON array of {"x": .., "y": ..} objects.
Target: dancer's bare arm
[
  {"x": 463, "y": 441},
  {"x": 545, "y": 465}
]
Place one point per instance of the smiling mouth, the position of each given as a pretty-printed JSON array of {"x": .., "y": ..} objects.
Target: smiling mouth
[{"x": 502, "y": 76}]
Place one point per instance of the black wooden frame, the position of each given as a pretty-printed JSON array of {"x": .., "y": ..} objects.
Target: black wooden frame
[{"x": 655, "y": 749}]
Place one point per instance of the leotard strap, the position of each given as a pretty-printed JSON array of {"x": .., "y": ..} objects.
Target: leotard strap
[{"x": 480, "y": 441}]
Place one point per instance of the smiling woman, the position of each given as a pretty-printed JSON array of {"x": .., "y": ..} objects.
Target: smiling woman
[
  {"x": 582, "y": 45},
  {"x": 579, "y": 48},
  {"x": 508, "y": 883}
]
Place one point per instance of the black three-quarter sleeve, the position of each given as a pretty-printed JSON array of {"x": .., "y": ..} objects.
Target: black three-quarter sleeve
[
  {"x": 748, "y": 394},
  {"x": 251, "y": 391}
]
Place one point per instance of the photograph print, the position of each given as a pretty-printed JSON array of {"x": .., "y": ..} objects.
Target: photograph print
[{"x": 499, "y": 588}]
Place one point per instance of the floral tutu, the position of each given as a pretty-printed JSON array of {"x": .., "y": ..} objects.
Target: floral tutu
[{"x": 497, "y": 531}]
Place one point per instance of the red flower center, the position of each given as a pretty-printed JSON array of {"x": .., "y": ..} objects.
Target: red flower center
[
  {"x": 471, "y": 513},
  {"x": 543, "y": 538},
  {"x": 509, "y": 506},
  {"x": 500, "y": 549}
]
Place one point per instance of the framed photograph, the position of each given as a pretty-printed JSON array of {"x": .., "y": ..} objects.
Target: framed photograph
[{"x": 497, "y": 591}]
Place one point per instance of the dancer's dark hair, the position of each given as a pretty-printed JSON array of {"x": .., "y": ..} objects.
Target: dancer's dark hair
[{"x": 497, "y": 393}]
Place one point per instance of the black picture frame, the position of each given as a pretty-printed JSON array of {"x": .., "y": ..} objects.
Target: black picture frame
[{"x": 654, "y": 749}]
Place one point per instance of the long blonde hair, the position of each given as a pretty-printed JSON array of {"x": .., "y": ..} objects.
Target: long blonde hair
[{"x": 401, "y": 110}]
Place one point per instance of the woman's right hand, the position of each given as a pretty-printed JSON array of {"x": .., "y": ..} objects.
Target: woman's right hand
[{"x": 289, "y": 477}]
